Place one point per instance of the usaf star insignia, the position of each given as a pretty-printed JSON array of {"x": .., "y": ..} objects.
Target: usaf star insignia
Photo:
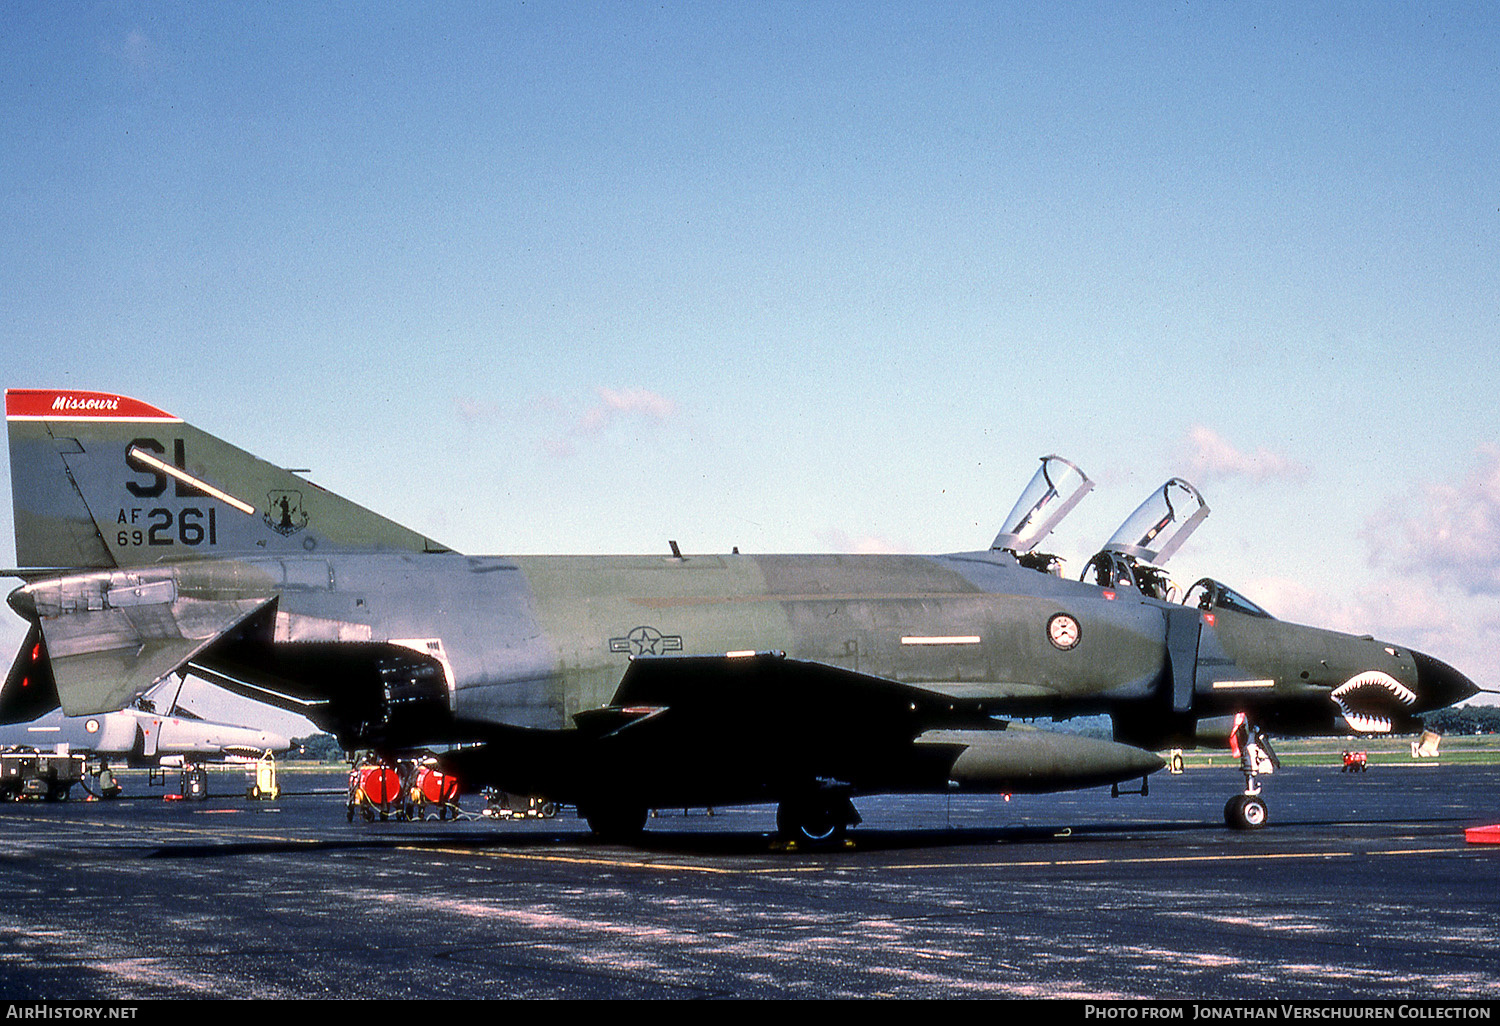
[{"x": 646, "y": 641}]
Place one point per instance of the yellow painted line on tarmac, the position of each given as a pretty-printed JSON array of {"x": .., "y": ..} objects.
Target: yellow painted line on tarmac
[
  {"x": 612, "y": 863},
  {"x": 1165, "y": 859},
  {"x": 1229, "y": 857},
  {"x": 822, "y": 866}
]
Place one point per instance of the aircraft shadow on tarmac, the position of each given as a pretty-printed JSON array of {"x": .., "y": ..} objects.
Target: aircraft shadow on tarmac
[{"x": 740, "y": 843}]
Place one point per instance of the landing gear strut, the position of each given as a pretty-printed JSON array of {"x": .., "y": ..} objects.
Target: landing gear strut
[{"x": 1248, "y": 811}]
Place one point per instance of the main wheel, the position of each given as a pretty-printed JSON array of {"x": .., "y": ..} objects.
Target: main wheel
[
  {"x": 623, "y": 823},
  {"x": 811, "y": 822},
  {"x": 1246, "y": 812}
]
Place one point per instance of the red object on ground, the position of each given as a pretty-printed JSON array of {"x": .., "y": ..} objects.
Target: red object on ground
[
  {"x": 436, "y": 786},
  {"x": 1483, "y": 835},
  {"x": 381, "y": 784}
]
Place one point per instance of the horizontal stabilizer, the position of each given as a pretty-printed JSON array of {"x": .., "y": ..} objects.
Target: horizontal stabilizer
[
  {"x": 99, "y": 682},
  {"x": 108, "y": 637}
]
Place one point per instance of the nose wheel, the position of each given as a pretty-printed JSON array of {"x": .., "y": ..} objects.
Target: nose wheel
[{"x": 1248, "y": 811}]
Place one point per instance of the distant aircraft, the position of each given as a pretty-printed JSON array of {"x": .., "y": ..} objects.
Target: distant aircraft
[
  {"x": 139, "y": 737},
  {"x": 623, "y": 683}
]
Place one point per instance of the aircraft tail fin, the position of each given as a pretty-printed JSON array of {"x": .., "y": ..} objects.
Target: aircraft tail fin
[{"x": 103, "y": 481}]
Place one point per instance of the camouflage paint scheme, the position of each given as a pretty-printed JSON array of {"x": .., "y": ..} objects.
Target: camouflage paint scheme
[{"x": 149, "y": 547}]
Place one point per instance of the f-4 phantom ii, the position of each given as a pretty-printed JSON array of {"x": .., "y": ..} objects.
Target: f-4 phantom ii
[
  {"x": 624, "y": 683},
  {"x": 141, "y": 735}
]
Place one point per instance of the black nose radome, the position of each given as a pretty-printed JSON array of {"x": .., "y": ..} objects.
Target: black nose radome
[{"x": 1439, "y": 684}]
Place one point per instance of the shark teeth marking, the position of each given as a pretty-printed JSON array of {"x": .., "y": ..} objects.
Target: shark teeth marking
[{"x": 1365, "y": 689}]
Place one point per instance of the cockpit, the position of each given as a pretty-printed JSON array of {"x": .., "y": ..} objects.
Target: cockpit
[
  {"x": 1148, "y": 537},
  {"x": 1116, "y": 570},
  {"x": 1132, "y": 558},
  {"x": 1209, "y": 594}
]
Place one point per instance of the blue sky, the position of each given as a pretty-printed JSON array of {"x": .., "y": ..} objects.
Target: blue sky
[{"x": 571, "y": 277}]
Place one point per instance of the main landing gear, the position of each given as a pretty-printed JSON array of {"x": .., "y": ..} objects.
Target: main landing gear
[
  {"x": 820, "y": 817},
  {"x": 1248, "y": 811},
  {"x": 621, "y": 823}
]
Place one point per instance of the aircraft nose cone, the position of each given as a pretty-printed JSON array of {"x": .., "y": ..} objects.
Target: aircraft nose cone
[{"x": 1439, "y": 685}]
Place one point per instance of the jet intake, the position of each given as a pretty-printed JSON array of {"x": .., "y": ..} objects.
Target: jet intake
[{"x": 1029, "y": 761}]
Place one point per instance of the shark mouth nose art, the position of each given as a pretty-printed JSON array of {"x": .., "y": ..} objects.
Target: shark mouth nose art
[{"x": 1365, "y": 700}]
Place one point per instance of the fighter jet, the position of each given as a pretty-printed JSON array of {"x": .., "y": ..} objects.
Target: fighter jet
[
  {"x": 619, "y": 684},
  {"x": 139, "y": 736}
]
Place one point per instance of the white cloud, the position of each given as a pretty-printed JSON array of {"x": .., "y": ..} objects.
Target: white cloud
[
  {"x": 614, "y": 404},
  {"x": 865, "y": 544},
  {"x": 610, "y": 408},
  {"x": 613, "y": 407},
  {"x": 1210, "y": 456},
  {"x": 1453, "y": 536}
]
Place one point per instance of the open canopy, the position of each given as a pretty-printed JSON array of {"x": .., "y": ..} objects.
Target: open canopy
[
  {"x": 1161, "y": 524},
  {"x": 1055, "y": 489}
]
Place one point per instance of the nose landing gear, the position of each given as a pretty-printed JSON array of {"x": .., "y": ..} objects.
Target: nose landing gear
[{"x": 1248, "y": 811}]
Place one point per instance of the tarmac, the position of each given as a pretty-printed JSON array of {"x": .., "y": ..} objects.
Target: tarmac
[{"x": 1362, "y": 887}]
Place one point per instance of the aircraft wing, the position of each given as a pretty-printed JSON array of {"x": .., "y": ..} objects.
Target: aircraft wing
[
  {"x": 751, "y": 686},
  {"x": 775, "y": 718},
  {"x": 982, "y": 691},
  {"x": 751, "y": 721}
]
